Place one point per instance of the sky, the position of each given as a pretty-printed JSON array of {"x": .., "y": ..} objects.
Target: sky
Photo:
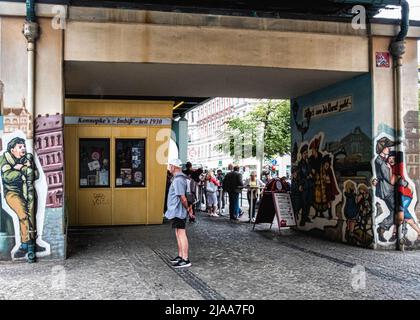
[{"x": 396, "y": 12}]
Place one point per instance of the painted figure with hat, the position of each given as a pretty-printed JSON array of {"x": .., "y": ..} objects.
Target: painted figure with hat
[
  {"x": 315, "y": 164},
  {"x": 18, "y": 172},
  {"x": 329, "y": 184},
  {"x": 385, "y": 186},
  {"x": 305, "y": 183}
]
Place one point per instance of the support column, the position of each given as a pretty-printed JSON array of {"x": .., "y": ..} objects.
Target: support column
[{"x": 180, "y": 129}]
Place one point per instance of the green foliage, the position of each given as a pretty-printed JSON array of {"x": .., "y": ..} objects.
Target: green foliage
[{"x": 273, "y": 117}]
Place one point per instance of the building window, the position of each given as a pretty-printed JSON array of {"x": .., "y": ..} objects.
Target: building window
[
  {"x": 93, "y": 163},
  {"x": 130, "y": 167}
]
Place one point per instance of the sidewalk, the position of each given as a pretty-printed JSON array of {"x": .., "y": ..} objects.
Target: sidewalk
[{"x": 229, "y": 261}]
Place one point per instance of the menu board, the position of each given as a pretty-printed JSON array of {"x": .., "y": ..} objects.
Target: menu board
[
  {"x": 284, "y": 209},
  {"x": 130, "y": 163}
]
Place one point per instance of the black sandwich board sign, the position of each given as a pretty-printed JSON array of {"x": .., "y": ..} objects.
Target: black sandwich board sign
[{"x": 276, "y": 204}]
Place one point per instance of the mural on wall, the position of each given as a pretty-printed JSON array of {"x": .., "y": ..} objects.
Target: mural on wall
[
  {"x": 412, "y": 149},
  {"x": 331, "y": 162},
  {"x": 316, "y": 183},
  {"x": 395, "y": 194},
  {"x": 49, "y": 148},
  {"x": 24, "y": 193},
  {"x": 357, "y": 211}
]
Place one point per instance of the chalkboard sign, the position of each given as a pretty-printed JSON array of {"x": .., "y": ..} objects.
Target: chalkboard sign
[{"x": 284, "y": 209}]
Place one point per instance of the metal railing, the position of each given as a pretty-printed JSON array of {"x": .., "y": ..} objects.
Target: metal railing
[{"x": 223, "y": 198}]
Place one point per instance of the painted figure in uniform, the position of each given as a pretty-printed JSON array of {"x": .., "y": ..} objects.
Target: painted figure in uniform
[
  {"x": 328, "y": 179},
  {"x": 19, "y": 173},
  {"x": 306, "y": 184},
  {"x": 315, "y": 164},
  {"x": 384, "y": 186}
]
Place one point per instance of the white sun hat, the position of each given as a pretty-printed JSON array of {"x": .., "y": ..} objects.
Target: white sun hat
[{"x": 175, "y": 163}]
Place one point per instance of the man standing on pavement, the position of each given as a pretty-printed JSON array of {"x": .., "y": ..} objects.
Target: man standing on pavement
[
  {"x": 221, "y": 194},
  {"x": 233, "y": 185},
  {"x": 178, "y": 210}
]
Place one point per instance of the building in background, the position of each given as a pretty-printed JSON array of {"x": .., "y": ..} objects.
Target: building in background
[{"x": 204, "y": 126}]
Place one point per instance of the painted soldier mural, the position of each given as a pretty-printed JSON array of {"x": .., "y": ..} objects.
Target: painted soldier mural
[
  {"x": 19, "y": 173},
  {"x": 305, "y": 186},
  {"x": 314, "y": 185}
]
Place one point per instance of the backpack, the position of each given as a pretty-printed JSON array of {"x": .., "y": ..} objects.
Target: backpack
[
  {"x": 190, "y": 192},
  {"x": 211, "y": 187}
]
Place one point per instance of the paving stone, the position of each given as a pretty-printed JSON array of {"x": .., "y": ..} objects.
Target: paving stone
[{"x": 230, "y": 261}]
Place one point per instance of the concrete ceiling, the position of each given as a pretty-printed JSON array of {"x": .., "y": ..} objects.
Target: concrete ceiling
[
  {"x": 268, "y": 8},
  {"x": 186, "y": 80}
]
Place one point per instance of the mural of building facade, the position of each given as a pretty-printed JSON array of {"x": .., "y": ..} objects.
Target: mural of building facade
[
  {"x": 49, "y": 148},
  {"x": 412, "y": 149},
  {"x": 332, "y": 152},
  {"x": 18, "y": 118}
]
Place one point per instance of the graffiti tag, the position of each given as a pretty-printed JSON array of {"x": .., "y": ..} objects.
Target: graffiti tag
[{"x": 99, "y": 199}]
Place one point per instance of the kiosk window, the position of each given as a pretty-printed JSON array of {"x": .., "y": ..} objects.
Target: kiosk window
[
  {"x": 130, "y": 163},
  {"x": 94, "y": 163}
]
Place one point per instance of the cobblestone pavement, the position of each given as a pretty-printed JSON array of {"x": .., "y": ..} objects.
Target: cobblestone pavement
[{"x": 230, "y": 261}]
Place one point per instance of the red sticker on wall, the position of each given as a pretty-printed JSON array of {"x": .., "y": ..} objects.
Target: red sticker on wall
[{"x": 383, "y": 59}]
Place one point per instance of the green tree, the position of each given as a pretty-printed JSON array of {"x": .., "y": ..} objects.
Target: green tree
[{"x": 273, "y": 118}]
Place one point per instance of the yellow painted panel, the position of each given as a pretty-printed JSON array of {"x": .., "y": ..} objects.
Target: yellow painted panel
[
  {"x": 126, "y": 108},
  {"x": 71, "y": 176},
  {"x": 156, "y": 176},
  {"x": 129, "y": 132},
  {"x": 129, "y": 206},
  {"x": 93, "y": 132},
  {"x": 95, "y": 206}
]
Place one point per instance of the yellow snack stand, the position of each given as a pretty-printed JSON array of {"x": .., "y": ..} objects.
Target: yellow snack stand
[{"x": 115, "y": 155}]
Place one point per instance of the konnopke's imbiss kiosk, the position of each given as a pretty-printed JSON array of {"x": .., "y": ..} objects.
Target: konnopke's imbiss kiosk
[{"x": 115, "y": 169}]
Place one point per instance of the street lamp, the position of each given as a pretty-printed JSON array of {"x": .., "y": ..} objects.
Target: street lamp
[{"x": 301, "y": 126}]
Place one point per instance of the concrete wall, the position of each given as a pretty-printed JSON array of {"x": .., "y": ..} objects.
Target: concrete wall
[
  {"x": 384, "y": 127},
  {"x": 147, "y": 43},
  {"x": 331, "y": 160},
  {"x": 41, "y": 130}
]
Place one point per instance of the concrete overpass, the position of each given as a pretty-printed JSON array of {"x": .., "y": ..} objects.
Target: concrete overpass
[{"x": 131, "y": 54}]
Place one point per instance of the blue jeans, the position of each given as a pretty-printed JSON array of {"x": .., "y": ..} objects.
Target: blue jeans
[
  {"x": 406, "y": 201},
  {"x": 233, "y": 205}
]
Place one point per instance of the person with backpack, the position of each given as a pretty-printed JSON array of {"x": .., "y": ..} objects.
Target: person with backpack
[
  {"x": 211, "y": 185},
  {"x": 178, "y": 210}
]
